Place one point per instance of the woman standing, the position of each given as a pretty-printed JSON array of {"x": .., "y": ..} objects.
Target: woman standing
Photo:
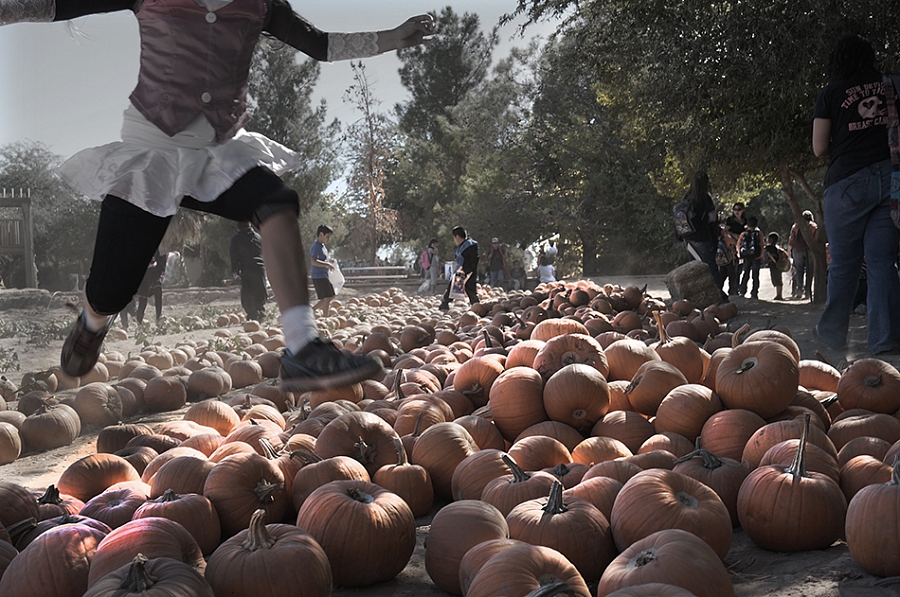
[{"x": 849, "y": 123}]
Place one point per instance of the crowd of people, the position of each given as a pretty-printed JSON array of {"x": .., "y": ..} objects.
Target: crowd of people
[{"x": 856, "y": 124}]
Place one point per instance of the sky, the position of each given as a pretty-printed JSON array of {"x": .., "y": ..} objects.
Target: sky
[{"x": 67, "y": 84}]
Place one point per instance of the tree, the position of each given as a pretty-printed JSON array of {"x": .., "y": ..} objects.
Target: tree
[
  {"x": 592, "y": 180},
  {"x": 368, "y": 142},
  {"x": 281, "y": 91},
  {"x": 727, "y": 86},
  {"x": 64, "y": 223},
  {"x": 424, "y": 173}
]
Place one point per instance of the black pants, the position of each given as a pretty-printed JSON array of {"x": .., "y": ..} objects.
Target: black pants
[
  {"x": 128, "y": 236},
  {"x": 253, "y": 293}
]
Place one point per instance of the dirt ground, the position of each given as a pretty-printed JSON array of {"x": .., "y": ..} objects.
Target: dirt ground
[{"x": 754, "y": 572}]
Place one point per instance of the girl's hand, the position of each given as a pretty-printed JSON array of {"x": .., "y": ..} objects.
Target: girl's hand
[{"x": 413, "y": 32}]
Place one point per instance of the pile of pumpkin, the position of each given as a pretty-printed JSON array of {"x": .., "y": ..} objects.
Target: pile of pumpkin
[{"x": 564, "y": 441}]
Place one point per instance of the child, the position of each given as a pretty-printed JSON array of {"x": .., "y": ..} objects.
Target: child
[
  {"x": 183, "y": 144},
  {"x": 321, "y": 265},
  {"x": 773, "y": 253},
  {"x": 467, "y": 260},
  {"x": 750, "y": 251}
]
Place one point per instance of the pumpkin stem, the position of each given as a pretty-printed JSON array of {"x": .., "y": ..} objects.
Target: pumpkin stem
[
  {"x": 258, "y": 536},
  {"x": 798, "y": 465},
  {"x": 138, "y": 579},
  {"x": 51, "y": 496},
  {"x": 873, "y": 381},
  {"x": 168, "y": 496},
  {"x": 398, "y": 382},
  {"x": 635, "y": 382},
  {"x": 519, "y": 476},
  {"x": 746, "y": 365},
  {"x": 895, "y": 471},
  {"x": 561, "y": 470},
  {"x": 555, "y": 503},
  {"x": 268, "y": 448},
  {"x": 645, "y": 557},
  {"x": 20, "y": 528},
  {"x": 366, "y": 454},
  {"x": 402, "y": 458},
  {"x": 557, "y": 587},
  {"x": 487, "y": 339},
  {"x": 660, "y": 328},
  {"x": 265, "y": 491},
  {"x": 306, "y": 457},
  {"x": 736, "y": 337},
  {"x": 361, "y": 496},
  {"x": 710, "y": 460},
  {"x": 417, "y": 430}
]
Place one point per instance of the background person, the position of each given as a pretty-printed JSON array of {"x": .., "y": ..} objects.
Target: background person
[
  {"x": 701, "y": 244},
  {"x": 849, "y": 124},
  {"x": 802, "y": 258},
  {"x": 321, "y": 265},
  {"x": 467, "y": 260},
  {"x": 498, "y": 269},
  {"x": 434, "y": 265},
  {"x": 247, "y": 264},
  {"x": 750, "y": 249}
]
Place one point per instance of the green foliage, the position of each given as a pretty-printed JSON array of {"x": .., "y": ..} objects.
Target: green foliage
[{"x": 64, "y": 224}]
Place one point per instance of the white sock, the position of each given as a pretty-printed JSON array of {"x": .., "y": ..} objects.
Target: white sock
[
  {"x": 94, "y": 323},
  {"x": 299, "y": 327}
]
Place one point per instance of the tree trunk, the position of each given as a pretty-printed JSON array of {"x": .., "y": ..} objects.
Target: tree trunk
[{"x": 816, "y": 244}]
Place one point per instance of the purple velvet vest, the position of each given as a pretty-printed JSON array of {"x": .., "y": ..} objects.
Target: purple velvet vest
[{"x": 194, "y": 61}]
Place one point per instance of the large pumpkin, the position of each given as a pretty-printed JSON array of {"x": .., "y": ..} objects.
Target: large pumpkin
[
  {"x": 91, "y": 475},
  {"x": 871, "y": 384},
  {"x": 573, "y": 527},
  {"x": 160, "y": 577},
  {"x": 61, "y": 555},
  {"x": 153, "y": 537},
  {"x": 791, "y": 509},
  {"x": 517, "y": 401},
  {"x": 576, "y": 395},
  {"x": 440, "y": 449},
  {"x": 456, "y": 528},
  {"x": 761, "y": 377},
  {"x": 375, "y": 539},
  {"x": 569, "y": 349},
  {"x": 240, "y": 484},
  {"x": 677, "y": 502},
  {"x": 360, "y": 435},
  {"x": 194, "y": 512},
  {"x": 521, "y": 569},
  {"x": 873, "y": 527},
  {"x": 271, "y": 560},
  {"x": 672, "y": 556}
]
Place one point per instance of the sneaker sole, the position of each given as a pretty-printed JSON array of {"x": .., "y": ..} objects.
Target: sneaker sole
[{"x": 344, "y": 378}]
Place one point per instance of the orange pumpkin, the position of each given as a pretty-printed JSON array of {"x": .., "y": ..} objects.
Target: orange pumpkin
[
  {"x": 791, "y": 509},
  {"x": 872, "y": 527},
  {"x": 569, "y": 349},
  {"x": 677, "y": 502},
  {"x": 576, "y": 395},
  {"x": 522, "y": 569},
  {"x": 651, "y": 383},
  {"x": 573, "y": 527},
  {"x": 761, "y": 377},
  {"x": 508, "y": 491},
  {"x": 517, "y": 401},
  {"x": 672, "y": 556},
  {"x": 456, "y": 528}
]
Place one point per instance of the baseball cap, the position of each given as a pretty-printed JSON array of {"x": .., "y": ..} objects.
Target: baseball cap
[{"x": 495, "y": 240}]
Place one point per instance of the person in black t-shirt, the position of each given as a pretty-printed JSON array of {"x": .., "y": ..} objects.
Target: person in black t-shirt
[{"x": 850, "y": 124}]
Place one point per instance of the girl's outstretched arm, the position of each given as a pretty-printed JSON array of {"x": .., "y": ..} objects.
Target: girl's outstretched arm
[{"x": 45, "y": 11}]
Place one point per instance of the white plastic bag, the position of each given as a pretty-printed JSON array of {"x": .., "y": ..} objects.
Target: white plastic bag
[
  {"x": 336, "y": 277},
  {"x": 423, "y": 287}
]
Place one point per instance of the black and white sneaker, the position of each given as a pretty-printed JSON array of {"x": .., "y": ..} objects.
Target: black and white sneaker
[
  {"x": 81, "y": 349},
  {"x": 320, "y": 365}
]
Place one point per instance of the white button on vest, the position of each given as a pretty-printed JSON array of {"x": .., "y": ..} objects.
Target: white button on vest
[
  {"x": 206, "y": 97},
  {"x": 211, "y": 17}
]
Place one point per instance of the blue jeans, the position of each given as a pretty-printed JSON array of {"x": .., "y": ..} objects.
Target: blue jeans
[
  {"x": 750, "y": 272},
  {"x": 858, "y": 223},
  {"x": 705, "y": 251},
  {"x": 803, "y": 266}
]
